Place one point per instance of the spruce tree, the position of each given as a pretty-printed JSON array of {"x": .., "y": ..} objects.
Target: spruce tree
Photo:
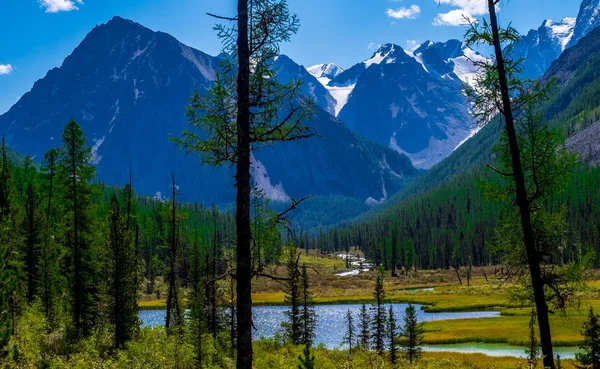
[
  {"x": 378, "y": 324},
  {"x": 365, "y": 327},
  {"x": 174, "y": 318},
  {"x": 197, "y": 314},
  {"x": 307, "y": 360},
  {"x": 122, "y": 268},
  {"x": 293, "y": 298},
  {"x": 5, "y": 182},
  {"x": 309, "y": 321},
  {"x": 32, "y": 229},
  {"x": 76, "y": 173},
  {"x": 412, "y": 333},
  {"x": 533, "y": 350},
  {"x": 590, "y": 357},
  {"x": 8, "y": 286},
  {"x": 392, "y": 335},
  {"x": 350, "y": 336}
]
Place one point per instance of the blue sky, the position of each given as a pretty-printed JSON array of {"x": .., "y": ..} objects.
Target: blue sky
[{"x": 36, "y": 35}]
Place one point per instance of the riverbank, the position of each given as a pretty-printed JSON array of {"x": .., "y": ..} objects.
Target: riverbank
[{"x": 437, "y": 291}]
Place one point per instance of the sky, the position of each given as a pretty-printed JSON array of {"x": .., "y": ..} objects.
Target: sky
[{"x": 37, "y": 35}]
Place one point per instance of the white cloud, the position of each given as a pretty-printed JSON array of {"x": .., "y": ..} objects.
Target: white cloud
[
  {"x": 55, "y": 6},
  {"x": 411, "y": 12},
  {"x": 467, "y": 11},
  {"x": 373, "y": 45},
  {"x": 411, "y": 45},
  {"x": 5, "y": 68}
]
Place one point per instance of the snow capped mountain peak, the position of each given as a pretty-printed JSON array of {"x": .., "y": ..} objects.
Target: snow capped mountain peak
[
  {"x": 587, "y": 19},
  {"x": 387, "y": 54},
  {"x": 561, "y": 31},
  {"x": 328, "y": 70}
]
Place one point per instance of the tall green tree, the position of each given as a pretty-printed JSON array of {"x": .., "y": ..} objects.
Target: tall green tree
[
  {"x": 244, "y": 110},
  {"x": 533, "y": 165},
  {"x": 293, "y": 297},
  {"x": 174, "y": 318},
  {"x": 350, "y": 336},
  {"x": 533, "y": 350},
  {"x": 122, "y": 269},
  {"x": 365, "y": 327},
  {"x": 33, "y": 231},
  {"x": 590, "y": 357},
  {"x": 307, "y": 359},
  {"x": 309, "y": 318},
  {"x": 76, "y": 174},
  {"x": 392, "y": 331},
  {"x": 378, "y": 323},
  {"x": 5, "y": 182},
  {"x": 412, "y": 333},
  {"x": 8, "y": 287}
]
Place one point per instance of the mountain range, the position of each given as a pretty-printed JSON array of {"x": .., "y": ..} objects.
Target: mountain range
[
  {"x": 540, "y": 47},
  {"x": 128, "y": 87},
  {"x": 378, "y": 122}
]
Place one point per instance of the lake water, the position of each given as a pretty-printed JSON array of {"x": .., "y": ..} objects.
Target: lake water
[
  {"x": 330, "y": 318},
  {"x": 497, "y": 349}
]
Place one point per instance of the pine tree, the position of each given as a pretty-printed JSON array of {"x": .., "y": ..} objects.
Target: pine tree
[
  {"x": 174, "y": 319},
  {"x": 533, "y": 351},
  {"x": 558, "y": 362},
  {"x": 365, "y": 326},
  {"x": 197, "y": 316},
  {"x": 5, "y": 182},
  {"x": 309, "y": 320},
  {"x": 412, "y": 333},
  {"x": 293, "y": 297},
  {"x": 122, "y": 268},
  {"x": 350, "y": 336},
  {"x": 392, "y": 335},
  {"x": 307, "y": 360},
  {"x": 8, "y": 286},
  {"x": 590, "y": 357},
  {"x": 76, "y": 172},
  {"x": 378, "y": 323},
  {"x": 32, "y": 228}
]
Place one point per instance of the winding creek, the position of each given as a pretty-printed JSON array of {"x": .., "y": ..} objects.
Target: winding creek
[{"x": 332, "y": 327}]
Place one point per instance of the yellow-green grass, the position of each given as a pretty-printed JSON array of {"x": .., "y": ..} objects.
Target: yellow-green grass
[
  {"x": 512, "y": 330},
  {"x": 269, "y": 355}
]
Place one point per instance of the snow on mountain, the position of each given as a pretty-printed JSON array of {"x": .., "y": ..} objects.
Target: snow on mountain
[
  {"x": 541, "y": 47},
  {"x": 327, "y": 71},
  {"x": 562, "y": 31},
  {"x": 588, "y": 18}
]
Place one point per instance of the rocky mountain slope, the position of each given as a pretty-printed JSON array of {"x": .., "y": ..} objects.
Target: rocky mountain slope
[{"x": 128, "y": 86}]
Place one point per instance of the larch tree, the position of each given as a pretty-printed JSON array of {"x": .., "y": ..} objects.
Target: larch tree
[
  {"x": 532, "y": 162},
  {"x": 76, "y": 173},
  {"x": 247, "y": 108}
]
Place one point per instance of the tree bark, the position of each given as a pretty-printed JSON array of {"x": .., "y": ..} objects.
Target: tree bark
[
  {"x": 242, "y": 217},
  {"x": 522, "y": 199}
]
